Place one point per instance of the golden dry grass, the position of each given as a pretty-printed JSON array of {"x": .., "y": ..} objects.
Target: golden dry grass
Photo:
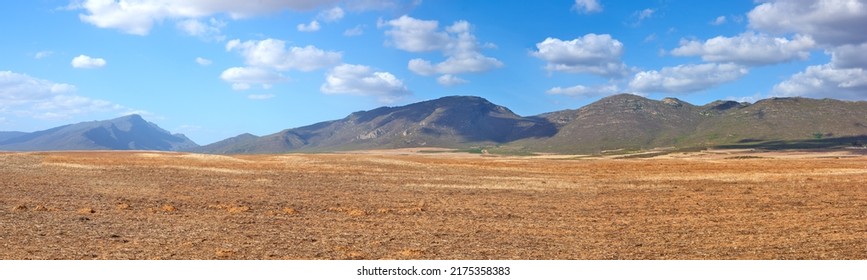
[{"x": 710, "y": 205}]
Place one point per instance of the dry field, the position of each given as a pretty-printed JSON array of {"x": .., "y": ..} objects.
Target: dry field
[{"x": 409, "y": 205}]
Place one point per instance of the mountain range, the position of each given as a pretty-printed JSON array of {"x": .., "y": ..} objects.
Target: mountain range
[
  {"x": 125, "y": 133},
  {"x": 622, "y": 122}
]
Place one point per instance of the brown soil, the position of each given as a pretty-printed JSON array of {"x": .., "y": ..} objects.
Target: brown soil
[{"x": 145, "y": 205}]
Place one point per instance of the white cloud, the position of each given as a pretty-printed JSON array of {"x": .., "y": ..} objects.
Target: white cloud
[
  {"x": 43, "y": 54},
  {"x": 67, "y": 105},
  {"x": 86, "y": 62},
  {"x": 451, "y": 80},
  {"x": 414, "y": 35},
  {"x": 835, "y": 25},
  {"x": 313, "y": 26},
  {"x": 138, "y": 16},
  {"x": 364, "y": 81},
  {"x": 456, "y": 42},
  {"x": 266, "y": 58},
  {"x": 358, "y": 30},
  {"x": 212, "y": 30},
  {"x": 686, "y": 78},
  {"x": 17, "y": 88},
  {"x": 585, "y": 91},
  {"x": 203, "y": 61},
  {"x": 23, "y": 95},
  {"x": 748, "y": 48},
  {"x": 473, "y": 62},
  {"x": 833, "y": 22},
  {"x": 587, "y": 6},
  {"x": 273, "y": 54},
  {"x": 825, "y": 81},
  {"x": 720, "y": 20},
  {"x": 331, "y": 15},
  {"x": 593, "y": 54},
  {"x": 243, "y": 78}
]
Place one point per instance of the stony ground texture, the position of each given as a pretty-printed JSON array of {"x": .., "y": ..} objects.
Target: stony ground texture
[{"x": 144, "y": 205}]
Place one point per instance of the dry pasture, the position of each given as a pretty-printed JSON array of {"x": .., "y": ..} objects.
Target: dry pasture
[{"x": 409, "y": 205}]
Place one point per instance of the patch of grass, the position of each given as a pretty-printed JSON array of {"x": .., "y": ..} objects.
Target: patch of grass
[
  {"x": 644, "y": 155},
  {"x": 744, "y": 157},
  {"x": 473, "y": 150},
  {"x": 436, "y": 151},
  {"x": 823, "y": 143}
]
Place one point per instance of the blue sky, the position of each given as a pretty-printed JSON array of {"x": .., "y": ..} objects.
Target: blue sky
[{"x": 212, "y": 69}]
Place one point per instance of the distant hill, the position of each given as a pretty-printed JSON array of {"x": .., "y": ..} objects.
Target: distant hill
[
  {"x": 244, "y": 143},
  {"x": 631, "y": 122},
  {"x": 454, "y": 121},
  {"x": 10, "y": 134},
  {"x": 124, "y": 133},
  {"x": 622, "y": 122}
]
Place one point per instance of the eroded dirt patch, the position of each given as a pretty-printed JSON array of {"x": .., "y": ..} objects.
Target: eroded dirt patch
[{"x": 136, "y": 205}]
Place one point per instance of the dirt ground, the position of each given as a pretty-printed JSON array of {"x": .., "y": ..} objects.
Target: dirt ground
[{"x": 414, "y": 205}]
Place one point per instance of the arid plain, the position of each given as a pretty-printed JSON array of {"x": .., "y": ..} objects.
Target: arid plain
[{"x": 431, "y": 204}]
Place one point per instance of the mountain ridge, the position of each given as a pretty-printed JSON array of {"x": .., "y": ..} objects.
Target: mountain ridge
[
  {"x": 129, "y": 132},
  {"x": 616, "y": 122}
]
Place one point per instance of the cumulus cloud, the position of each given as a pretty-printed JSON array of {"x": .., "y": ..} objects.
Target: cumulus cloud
[
  {"x": 686, "y": 78},
  {"x": 451, "y": 80},
  {"x": 720, "y": 20},
  {"x": 313, "y": 26},
  {"x": 833, "y": 22},
  {"x": 243, "y": 78},
  {"x": 23, "y": 95},
  {"x": 414, "y": 35},
  {"x": 460, "y": 47},
  {"x": 587, "y": 6},
  {"x": 592, "y": 54},
  {"x": 585, "y": 91},
  {"x": 86, "y": 62},
  {"x": 364, "y": 81},
  {"x": 138, "y": 16},
  {"x": 836, "y": 26},
  {"x": 825, "y": 81},
  {"x": 203, "y": 61},
  {"x": 273, "y": 54},
  {"x": 212, "y": 30},
  {"x": 748, "y": 48},
  {"x": 265, "y": 59}
]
